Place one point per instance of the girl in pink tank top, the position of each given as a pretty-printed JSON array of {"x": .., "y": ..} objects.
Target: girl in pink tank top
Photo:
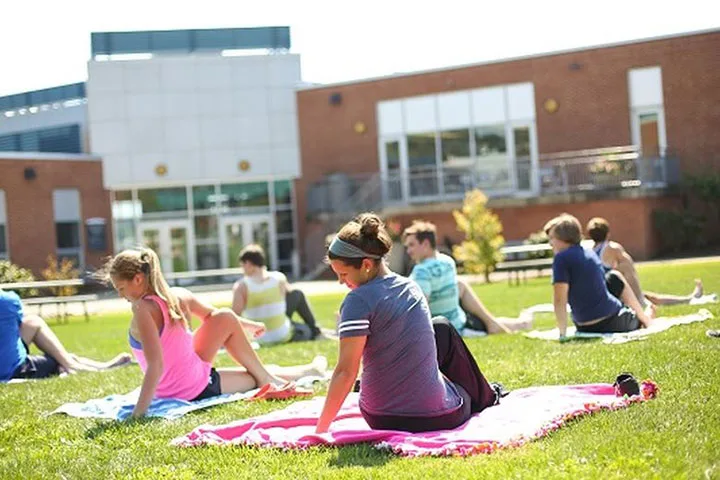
[{"x": 177, "y": 362}]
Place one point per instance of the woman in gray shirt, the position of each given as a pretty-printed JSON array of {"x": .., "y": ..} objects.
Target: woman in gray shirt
[{"x": 418, "y": 374}]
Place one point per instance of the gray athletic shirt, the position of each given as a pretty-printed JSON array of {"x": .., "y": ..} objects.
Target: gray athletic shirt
[{"x": 400, "y": 369}]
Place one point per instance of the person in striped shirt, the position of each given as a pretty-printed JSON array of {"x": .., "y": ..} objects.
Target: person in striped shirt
[{"x": 266, "y": 296}]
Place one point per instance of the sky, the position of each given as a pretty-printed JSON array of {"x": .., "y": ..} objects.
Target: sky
[{"x": 45, "y": 43}]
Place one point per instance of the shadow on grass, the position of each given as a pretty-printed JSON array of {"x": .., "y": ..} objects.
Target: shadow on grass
[
  {"x": 118, "y": 426},
  {"x": 362, "y": 455}
]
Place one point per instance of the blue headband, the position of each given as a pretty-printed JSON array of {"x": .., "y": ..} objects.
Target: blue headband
[{"x": 348, "y": 250}]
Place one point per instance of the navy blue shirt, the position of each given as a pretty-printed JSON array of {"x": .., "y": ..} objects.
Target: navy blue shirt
[
  {"x": 588, "y": 295},
  {"x": 12, "y": 349}
]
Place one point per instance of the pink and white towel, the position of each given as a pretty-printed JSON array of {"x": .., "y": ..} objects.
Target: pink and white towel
[{"x": 524, "y": 415}]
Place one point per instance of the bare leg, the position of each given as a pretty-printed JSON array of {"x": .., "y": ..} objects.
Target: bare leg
[
  {"x": 318, "y": 367},
  {"x": 627, "y": 268},
  {"x": 33, "y": 329},
  {"x": 118, "y": 360},
  {"x": 666, "y": 299},
  {"x": 628, "y": 298},
  {"x": 224, "y": 329},
  {"x": 472, "y": 303}
]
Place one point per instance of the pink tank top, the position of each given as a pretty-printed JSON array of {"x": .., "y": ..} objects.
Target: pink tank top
[{"x": 185, "y": 374}]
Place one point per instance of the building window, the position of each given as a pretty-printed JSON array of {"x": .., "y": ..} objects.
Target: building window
[
  {"x": 457, "y": 162},
  {"x": 66, "y": 205},
  {"x": 163, "y": 200},
  {"x": 63, "y": 139},
  {"x": 493, "y": 172},
  {"x": 422, "y": 164},
  {"x": 246, "y": 194},
  {"x": 3, "y": 228}
]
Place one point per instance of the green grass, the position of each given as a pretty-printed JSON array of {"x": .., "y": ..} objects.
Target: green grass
[{"x": 675, "y": 436}]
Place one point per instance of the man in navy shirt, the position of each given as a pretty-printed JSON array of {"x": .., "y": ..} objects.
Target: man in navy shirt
[{"x": 579, "y": 280}]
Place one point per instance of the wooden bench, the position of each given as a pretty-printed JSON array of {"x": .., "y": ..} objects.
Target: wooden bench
[
  {"x": 518, "y": 263},
  {"x": 62, "y": 301}
]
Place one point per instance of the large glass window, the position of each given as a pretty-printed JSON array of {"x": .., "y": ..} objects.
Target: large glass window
[
  {"x": 422, "y": 164},
  {"x": 3, "y": 243},
  {"x": 284, "y": 221},
  {"x": 204, "y": 197},
  {"x": 125, "y": 233},
  {"x": 206, "y": 227},
  {"x": 457, "y": 163},
  {"x": 3, "y": 238},
  {"x": 521, "y": 140},
  {"x": 392, "y": 155},
  {"x": 155, "y": 200},
  {"x": 246, "y": 194},
  {"x": 491, "y": 151},
  {"x": 283, "y": 192},
  {"x": 66, "y": 211}
]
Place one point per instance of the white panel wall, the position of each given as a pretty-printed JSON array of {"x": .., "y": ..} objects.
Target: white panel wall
[
  {"x": 66, "y": 205},
  {"x": 521, "y": 101},
  {"x": 390, "y": 117},
  {"x": 645, "y": 85},
  {"x": 420, "y": 115},
  {"x": 453, "y": 110},
  {"x": 488, "y": 106},
  {"x": 197, "y": 114}
]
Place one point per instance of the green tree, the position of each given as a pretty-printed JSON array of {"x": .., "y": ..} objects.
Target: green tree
[{"x": 480, "y": 251}]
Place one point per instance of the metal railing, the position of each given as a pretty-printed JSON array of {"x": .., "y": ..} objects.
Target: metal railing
[{"x": 171, "y": 277}]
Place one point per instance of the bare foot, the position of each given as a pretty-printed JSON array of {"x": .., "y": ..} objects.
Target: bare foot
[
  {"x": 698, "y": 292},
  {"x": 319, "y": 365},
  {"x": 651, "y": 310},
  {"x": 120, "y": 360}
]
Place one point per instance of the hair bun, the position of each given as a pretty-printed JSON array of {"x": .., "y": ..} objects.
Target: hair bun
[{"x": 370, "y": 225}]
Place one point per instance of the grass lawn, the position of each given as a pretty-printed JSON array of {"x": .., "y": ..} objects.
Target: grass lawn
[{"x": 675, "y": 436}]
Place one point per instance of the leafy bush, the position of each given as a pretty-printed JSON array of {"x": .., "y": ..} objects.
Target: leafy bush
[
  {"x": 678, "y": 231},
  {"x": 538, "y": 238},
  {"x": 11, "y": 273},
  {"x": 62, "y": 270}
]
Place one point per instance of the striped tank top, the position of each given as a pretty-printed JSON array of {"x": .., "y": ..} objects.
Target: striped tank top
[{"x": 265, "y": 301}]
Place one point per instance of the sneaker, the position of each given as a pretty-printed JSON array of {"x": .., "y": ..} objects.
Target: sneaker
[
  {"x": 499, "y": 390},
  {"x": 713, "y": 333},
  {"x": 625, "y": 384}
]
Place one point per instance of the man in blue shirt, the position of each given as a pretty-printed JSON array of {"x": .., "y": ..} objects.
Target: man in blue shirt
[
  {"x": 579, "y": 280},
  {"x": 435, "y": 273},
  {"x": 18, "y": 331}
]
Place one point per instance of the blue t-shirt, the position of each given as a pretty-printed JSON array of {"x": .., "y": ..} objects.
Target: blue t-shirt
[
  {"x": 588, "y": 295},
  {"x": 12, "y": 350},
  {"x": 400, "y": 369},
  {"x": 437, "y": 278}
]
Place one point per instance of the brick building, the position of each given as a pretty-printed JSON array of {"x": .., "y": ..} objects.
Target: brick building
[
  {"x": 53, "y": 204},
  {"x": 597, "y": 131}
]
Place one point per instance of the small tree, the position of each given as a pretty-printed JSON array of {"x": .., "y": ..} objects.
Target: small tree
[
  {"x": 480, "y": 251},
  {"x": 63, "y": 270}
]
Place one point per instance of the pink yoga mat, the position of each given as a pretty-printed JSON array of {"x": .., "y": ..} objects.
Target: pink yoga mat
[{"x": 524, "y": 415}]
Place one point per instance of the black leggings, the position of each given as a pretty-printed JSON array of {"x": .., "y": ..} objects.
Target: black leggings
[
  {"x": 296, "y": 302},
  {"x": 459, "y": 367}
]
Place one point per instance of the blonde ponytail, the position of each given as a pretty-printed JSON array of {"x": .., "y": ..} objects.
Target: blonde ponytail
[{"x": 150, "y": 265}]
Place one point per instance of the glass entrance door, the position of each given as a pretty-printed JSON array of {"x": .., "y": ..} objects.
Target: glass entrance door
[
  {"x": 238, "y": 232},
  {"x": 172, "y": 243}
]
